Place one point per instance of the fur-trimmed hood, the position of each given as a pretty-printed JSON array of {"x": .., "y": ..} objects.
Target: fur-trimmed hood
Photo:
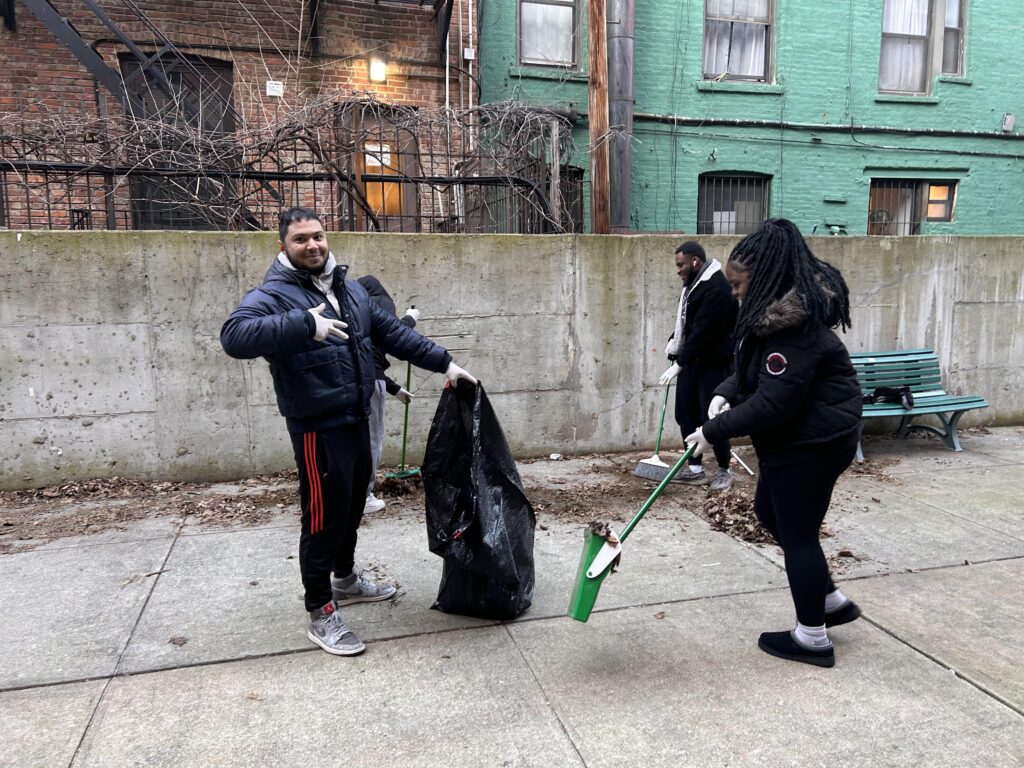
[{"x": 787, "y": 311}]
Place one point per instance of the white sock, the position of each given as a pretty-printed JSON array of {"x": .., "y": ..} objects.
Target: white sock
[
  {"x": 835, "y": 600},
  {"x": 695, "y": 468},
  {"x": 345, "y": 581},
  {"x": 812, "y": 637}
]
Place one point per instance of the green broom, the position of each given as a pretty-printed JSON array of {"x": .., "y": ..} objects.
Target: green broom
[
  {"x": 602, "y": 550},
  {"x": 404, "y": 473},
  {"x": 654, "y": 468}
]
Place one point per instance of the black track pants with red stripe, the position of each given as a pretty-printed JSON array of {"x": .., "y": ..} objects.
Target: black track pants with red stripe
[{"x": 334, "y": 473}]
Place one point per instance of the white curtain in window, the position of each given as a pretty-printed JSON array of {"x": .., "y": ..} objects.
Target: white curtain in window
[
  {"x": 746, "y": 55},
  {"x": 905, "y": 17},
  {"x": 903, "y": 65},
  {"x": 716, "y": 47},
  {"x": 546, "y": 33},
  {"x": 952, "y": 13},
  {"x": 750, "y": 9}
]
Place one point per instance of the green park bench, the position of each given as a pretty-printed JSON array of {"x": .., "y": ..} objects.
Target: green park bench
[{"x": 919, "y": 370}]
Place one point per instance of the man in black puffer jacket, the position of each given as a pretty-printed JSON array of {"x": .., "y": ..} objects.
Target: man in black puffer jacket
[{"x": 318, "y": 332}]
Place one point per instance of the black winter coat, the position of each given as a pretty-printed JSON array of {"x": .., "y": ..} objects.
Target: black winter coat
[
  {"x": 320, "y": 384},
  {"x": 794, "y": 389},
  {"x": 710, "y": 320}
]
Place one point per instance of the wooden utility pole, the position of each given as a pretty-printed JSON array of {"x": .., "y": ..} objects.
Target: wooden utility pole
[{"x": 598, "y": 117}]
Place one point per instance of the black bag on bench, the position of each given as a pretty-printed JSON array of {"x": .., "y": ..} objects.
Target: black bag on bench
[{"x": 902, "y": 396}]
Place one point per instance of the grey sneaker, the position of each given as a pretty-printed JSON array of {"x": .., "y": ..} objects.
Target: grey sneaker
[
  {"x": 356, "y": 588},
  {"x": 687, "y": 477},
  {"x": 722, "y": 480},
  {"x": 327, "y": 630}
]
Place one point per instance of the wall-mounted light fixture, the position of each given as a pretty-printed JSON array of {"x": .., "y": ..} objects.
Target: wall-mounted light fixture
[{"x": 378, "y": 69}]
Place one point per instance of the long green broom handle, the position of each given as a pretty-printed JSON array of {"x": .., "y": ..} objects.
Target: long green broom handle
[
  {"x": 405, "y": 423},
  {"x": 657, "y": 492},
  {"x": 661, "y": 421}
]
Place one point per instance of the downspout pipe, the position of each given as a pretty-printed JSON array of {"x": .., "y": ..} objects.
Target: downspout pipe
[{"x": 620, "y": 26}]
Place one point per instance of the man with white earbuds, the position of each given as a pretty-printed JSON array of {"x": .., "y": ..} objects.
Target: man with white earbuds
[
  {"x": 700, "y": 349},
  {"x": 318, "y": 331}
]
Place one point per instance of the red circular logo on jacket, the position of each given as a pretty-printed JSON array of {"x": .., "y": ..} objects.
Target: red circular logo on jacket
[{"x": 776, "y": 363}]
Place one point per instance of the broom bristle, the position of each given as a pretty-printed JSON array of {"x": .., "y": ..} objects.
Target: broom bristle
[{"x": 652, "y": 469}]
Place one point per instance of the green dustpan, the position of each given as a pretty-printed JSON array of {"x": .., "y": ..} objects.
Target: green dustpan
[
  {"x": 602, "y": 548},
  {"x": 403, "y": 471}
]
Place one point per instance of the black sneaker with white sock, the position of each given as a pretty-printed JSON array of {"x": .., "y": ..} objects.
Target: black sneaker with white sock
[
  {"x": 785, "y": 646},
  {"x": 844, "y": 614}
]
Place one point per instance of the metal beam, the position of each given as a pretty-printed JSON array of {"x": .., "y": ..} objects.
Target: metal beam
[{"x": 64, "y": 31}]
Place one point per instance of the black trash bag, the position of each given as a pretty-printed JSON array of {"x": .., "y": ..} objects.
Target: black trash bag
[
  {"x": 478, "y": 518},
  {"x": 896, "y": 395}
]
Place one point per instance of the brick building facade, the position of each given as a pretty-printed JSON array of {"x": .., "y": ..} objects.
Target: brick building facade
[
  {"x": 314, "y": 50},
  {"x": 880, "y": 117}
]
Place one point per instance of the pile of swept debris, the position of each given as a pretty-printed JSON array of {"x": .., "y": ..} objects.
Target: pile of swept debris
[{"x": 29, "y": 518}]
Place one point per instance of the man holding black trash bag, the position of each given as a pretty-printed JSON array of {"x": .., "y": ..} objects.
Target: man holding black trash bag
[{"x": 317, "y": 330}]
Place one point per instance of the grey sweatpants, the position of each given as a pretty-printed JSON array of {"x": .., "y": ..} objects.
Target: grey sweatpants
[{"x": 376, "y": 429}]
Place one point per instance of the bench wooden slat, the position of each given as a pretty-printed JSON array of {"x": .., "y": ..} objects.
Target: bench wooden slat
[
  {"x": 933, "y": 383},
  {"x": 919, "y": 365},
  {"x": 939, "y": 406},
  {"x": 891, "y": 357}
]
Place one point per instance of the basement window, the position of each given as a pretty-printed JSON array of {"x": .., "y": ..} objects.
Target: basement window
[
  {"x": 899, "y": 206},
  {"x": 731, "y": 204},
  {"x": 737, "y": 39},
  {"x": 547, "y": 32}
]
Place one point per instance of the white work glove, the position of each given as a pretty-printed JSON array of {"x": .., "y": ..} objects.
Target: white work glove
[
  {"x": 698, "y": 438},
  {"x": 670, "y": 375},
  {"x": 413, "y": 313},
  {"x": 454, "y": 373},
  {"x": 718, "y": 405},
  {"x": 325, "y": 326},
  {"x": 404, "y": 395}
]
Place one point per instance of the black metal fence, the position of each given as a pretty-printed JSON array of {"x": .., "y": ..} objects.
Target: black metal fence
[{"x": 363, "y": 165}]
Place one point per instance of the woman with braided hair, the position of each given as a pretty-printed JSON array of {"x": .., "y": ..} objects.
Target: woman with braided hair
[{"x": 795, "y": 393}]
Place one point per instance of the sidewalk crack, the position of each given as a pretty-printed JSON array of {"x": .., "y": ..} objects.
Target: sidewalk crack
[
  {"x": 544, "y": 693},
  {"x": 131, "y": 635},
  {"x": 938, "y": 661}
]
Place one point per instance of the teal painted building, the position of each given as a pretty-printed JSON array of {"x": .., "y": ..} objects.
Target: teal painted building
[{"x": 884, "y": 117}]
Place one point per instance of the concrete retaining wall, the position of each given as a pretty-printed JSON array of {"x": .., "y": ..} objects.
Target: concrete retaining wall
[{"x": 111, "y": 364}]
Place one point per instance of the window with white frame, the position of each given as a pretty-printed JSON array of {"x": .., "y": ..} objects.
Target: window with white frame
[
  {"x": 547, "y": 32},
  {"x": 915, "y": 48},
  {"x": 730, "y": 204},
  {"x": 899, "y": 206},
  {"x": 737, "y": 39}
]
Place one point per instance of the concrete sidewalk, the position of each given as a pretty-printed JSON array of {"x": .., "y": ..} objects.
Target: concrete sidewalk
[{"x": 171, "y": 644}]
